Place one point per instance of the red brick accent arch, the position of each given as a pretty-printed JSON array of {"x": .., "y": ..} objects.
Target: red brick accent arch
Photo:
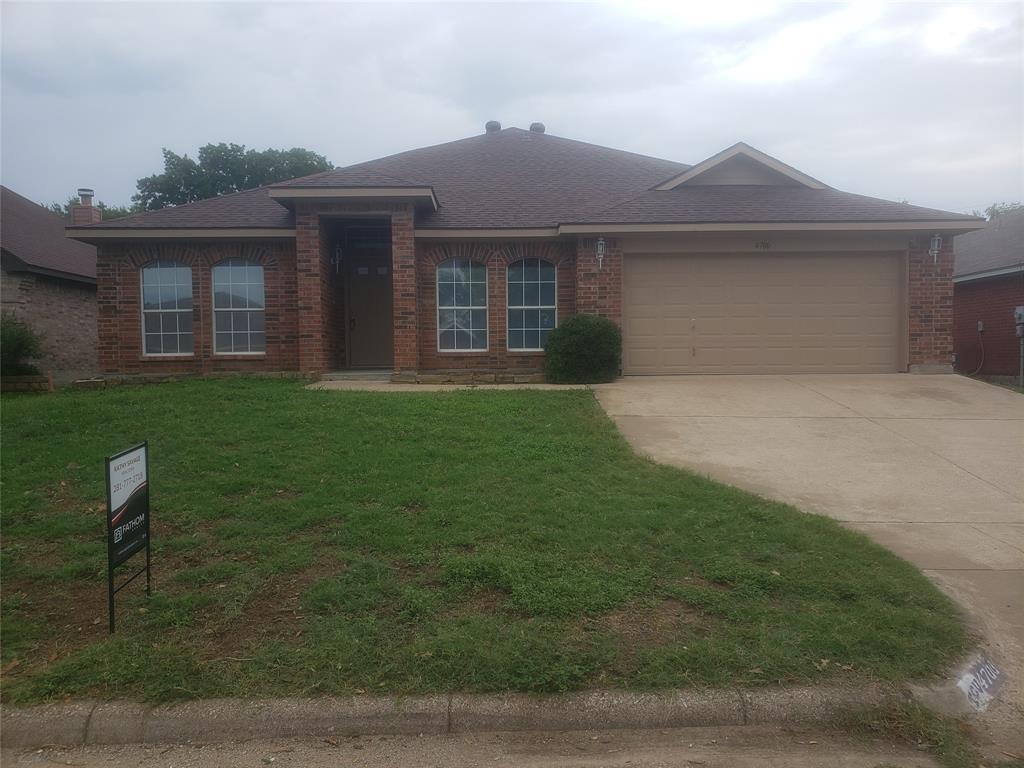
[{"x": 496, "y": 256}]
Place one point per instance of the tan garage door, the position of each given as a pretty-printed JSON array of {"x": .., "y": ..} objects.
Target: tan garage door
[{"x": 761, "y": 313}]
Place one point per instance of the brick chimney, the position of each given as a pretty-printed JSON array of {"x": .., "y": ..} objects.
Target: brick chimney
[{"x": 84, "y": 212}]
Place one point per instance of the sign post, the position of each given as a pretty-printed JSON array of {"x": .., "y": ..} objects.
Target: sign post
[{"x": 127, "y": 516}]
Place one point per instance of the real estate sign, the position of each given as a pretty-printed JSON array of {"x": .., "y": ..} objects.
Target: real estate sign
[
  {"x": 127, "y": 515},
  {"x": 127, "y": 503}
]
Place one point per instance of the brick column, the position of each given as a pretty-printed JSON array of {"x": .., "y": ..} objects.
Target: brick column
[
  {"x": 107, "y": 330},
  {"x": 930, "y": 306},
  {"x": 403, "y": 281},
  {"x": 309, "y": 286},
  {"x": 599, "y": 291}
]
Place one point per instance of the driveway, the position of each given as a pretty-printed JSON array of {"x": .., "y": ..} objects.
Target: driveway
[{"x": 932, "y": 467}]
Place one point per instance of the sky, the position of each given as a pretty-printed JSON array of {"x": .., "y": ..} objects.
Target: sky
[{"x": 921, "y": 102}]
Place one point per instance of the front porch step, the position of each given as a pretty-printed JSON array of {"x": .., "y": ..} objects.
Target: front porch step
[{"x": 375, "y": 374}]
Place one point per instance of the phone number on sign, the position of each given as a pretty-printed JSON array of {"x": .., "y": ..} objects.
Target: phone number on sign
[{"x": 128, "y": 482}]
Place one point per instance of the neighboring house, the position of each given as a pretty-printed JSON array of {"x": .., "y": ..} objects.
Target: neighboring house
[
  {"x": 465, "y": 255},
  {"x": 988, "y": 283},
  {"x": 49, "y": 282}
]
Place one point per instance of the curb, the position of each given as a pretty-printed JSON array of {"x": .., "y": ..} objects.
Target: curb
[{"x": 217, "y": 720}]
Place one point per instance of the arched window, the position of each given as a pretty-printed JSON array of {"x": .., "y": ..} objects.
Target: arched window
[
  {"x": 532, "y": 305},
  {"x": 461, "y": 306},
  {"x": 166, "y": 308},
  {"x": 238, "y": 308}
]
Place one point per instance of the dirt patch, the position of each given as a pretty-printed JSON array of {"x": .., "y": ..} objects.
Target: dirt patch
[
  {"x": 273, "y": 612},
  {"x": 487, "y": 600},
  {"x": 651, "y": 625}
]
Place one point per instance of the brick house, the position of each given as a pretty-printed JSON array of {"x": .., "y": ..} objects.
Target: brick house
[
  {"x": 463, "y": 256},
  {"x": 988, "y": 283},
  {"x": 49, "y": 282}
]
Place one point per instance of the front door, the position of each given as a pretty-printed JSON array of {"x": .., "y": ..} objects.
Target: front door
[{"x": 369, "y": 312}]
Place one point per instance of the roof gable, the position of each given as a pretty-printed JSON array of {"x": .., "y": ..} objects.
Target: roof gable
[{"x": 741, "y": 164}]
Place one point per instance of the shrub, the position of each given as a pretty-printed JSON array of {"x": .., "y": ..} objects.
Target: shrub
[
  {"x": 18, "y": 345},
  {"x": 585, "y": 349}
]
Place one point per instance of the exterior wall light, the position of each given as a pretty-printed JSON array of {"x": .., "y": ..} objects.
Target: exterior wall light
[
  {"x": 936, "y": 246},
  {"x": 600, "y": 252}
]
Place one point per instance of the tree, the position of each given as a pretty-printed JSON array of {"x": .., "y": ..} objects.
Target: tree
[
  {"x": 109, "y": 211},
  {"x": 222, "y": 168},
  {"x": 998, "y": 208}
]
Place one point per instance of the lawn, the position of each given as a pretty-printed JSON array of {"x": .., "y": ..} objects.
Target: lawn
[{"x": 330, "y": 542}]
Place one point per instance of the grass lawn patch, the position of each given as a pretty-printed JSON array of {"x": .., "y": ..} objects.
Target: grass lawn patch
[{"x": 328, "y": 542}]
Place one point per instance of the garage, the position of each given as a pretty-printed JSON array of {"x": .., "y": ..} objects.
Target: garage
[{"x": 839, "y": 312}]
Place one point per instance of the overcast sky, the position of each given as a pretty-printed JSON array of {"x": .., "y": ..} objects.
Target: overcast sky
[{"x": 915, "y": 101}]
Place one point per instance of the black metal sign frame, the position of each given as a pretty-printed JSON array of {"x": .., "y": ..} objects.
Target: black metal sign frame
[{"x": 120, "y": 550}]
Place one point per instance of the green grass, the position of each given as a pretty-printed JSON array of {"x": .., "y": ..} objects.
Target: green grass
[
  {"x": 326, "y": 542},
  {"x": 946, "y": 739}
]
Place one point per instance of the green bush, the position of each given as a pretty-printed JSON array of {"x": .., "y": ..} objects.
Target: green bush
[
  {"x": 18, "y": 345},
  {"x": 585, "y": 349}
]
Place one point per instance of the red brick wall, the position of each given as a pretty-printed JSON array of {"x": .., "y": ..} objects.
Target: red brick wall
[
  {"x": 496, "y": 255},
  {"x": 599, "y": 291},
  {"x": 992, "y": 301},
  {"x": 120, "y": 324},
  {"x": 63, "y": 312},
  {"x": 930, "y": 303}
]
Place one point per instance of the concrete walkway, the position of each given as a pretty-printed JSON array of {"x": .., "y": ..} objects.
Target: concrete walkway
[
  {"x": 931, "y": 467},
  {"x": 373, "y": 385}
]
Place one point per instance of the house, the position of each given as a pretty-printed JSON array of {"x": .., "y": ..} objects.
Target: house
[
  {"x": 49, "y": 282},
  {"x": 988, "y": 284},
  {"x": 462, "y": 257}
]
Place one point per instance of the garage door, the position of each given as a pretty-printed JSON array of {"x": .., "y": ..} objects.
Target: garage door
[{"x": 761, "y": 313}]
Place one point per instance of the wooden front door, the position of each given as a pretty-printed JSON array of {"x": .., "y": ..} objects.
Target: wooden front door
[{"x": 368, "y": 290}]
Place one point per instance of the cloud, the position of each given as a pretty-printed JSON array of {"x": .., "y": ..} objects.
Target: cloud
[{"x": 916, "y": 101}]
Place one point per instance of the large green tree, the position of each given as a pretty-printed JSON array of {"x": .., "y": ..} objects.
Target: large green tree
[
  {"x": 998, "y": 208},
  {"x": 222, "y": 168}
]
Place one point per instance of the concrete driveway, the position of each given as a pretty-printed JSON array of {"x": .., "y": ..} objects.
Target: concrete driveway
[{"x": 932, "y": 467}]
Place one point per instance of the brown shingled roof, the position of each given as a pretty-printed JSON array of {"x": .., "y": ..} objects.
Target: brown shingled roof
[
  {"x": 34, "y": 237},
  {"x": 252, "y": 208},
  {"x": 1000, "y": 245},
  {"x": 523, "y": 179},
  {"x": 735, "y": 203}
]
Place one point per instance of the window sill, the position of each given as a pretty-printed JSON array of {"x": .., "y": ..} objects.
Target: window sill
[
  {"x": 526, "y": 351},
  {"x": 463, "y": 351},
  {"x": 238, "y": 356},
  {"x": 168, "y": 356}
]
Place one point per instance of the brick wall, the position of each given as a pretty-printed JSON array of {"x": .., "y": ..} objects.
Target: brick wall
[
  {"x": 63, "y": 312},
  {"x": 930, "y": 304},
  {"x": 599, "y": 291},
  {"x": 992, "y": 301},
  {"x": 120, "y": 311},
  {"x": 496, "y": 256}
]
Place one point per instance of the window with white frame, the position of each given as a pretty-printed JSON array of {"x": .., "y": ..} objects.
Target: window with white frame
[
  {"x": 461, "y": 306},
  {"x": 532, "y": 310},
  {"x": 166, "y": 308},
  {"x": 238, "y": 308}
]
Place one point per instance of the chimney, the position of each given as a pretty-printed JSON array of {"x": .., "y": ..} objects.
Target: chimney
[
  {"x": 537, "y": 127},
  {"x": 84, "y": 212},
  {"x": 492, "y": 126}
]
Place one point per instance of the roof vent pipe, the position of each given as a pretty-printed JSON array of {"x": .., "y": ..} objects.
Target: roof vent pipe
[
  {"x": 492, "y": 126},
  {"x": 537, "y": 127}
]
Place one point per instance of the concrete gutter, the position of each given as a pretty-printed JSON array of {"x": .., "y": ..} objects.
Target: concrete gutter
[{"x": 217, "y": 720}]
